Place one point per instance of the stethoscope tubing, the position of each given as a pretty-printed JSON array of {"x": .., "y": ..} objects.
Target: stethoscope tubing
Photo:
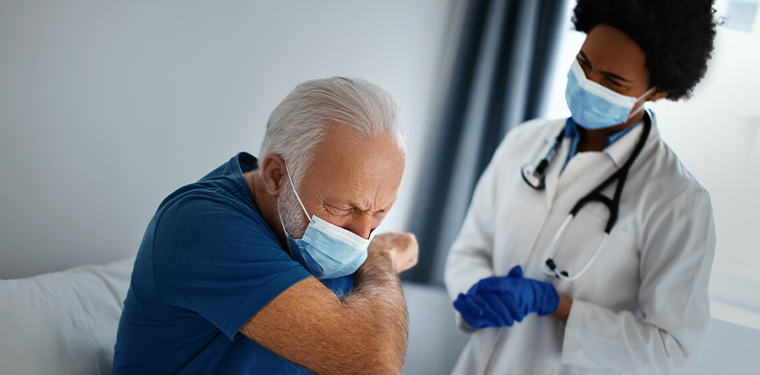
[
  {"x": 552, "y": 249},
  {"x": 620, "y": 176}
]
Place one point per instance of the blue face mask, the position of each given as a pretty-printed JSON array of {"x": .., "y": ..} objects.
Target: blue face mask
[
  {"x": 594, "y": 106},
  {"x": 326, "y": 250}
]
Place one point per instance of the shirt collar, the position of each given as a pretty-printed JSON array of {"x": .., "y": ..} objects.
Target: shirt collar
[
  {"x": 616, "y": 152},
  {"x": 571, "y": 131}
]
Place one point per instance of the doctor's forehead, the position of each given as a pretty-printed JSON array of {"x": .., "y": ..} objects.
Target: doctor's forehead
[{"x": 608, "y": 48}]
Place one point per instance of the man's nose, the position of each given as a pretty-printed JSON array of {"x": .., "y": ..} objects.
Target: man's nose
[{"x": 361, "y": 225}]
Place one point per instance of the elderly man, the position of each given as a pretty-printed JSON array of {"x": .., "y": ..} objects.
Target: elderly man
[{"x": 266, "y": 266}]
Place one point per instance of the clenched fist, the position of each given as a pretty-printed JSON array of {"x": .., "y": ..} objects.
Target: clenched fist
[{"x": 402, "y": 248}]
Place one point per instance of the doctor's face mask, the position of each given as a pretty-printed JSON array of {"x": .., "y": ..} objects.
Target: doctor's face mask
[
  {"x": 594, "y": 106},
  {"x": 324, "y": 249}
]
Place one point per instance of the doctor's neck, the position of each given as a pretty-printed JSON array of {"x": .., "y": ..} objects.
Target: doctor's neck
[{"x": 596, "y": 140}]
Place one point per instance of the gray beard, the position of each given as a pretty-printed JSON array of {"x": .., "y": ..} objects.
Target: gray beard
[{"x": 290, "y": 214}]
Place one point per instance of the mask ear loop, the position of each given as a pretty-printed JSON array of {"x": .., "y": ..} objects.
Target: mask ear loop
[
  {"x": 641, "y": 108},
  {"x": 292, "y": 186}
]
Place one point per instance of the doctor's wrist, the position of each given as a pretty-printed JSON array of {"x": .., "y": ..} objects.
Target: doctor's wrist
[{"x": 563, "y": 310}]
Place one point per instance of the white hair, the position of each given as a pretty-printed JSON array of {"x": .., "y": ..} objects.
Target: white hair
[{"x": 299, "y": 122}]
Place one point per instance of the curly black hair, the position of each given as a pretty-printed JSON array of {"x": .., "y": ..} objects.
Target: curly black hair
[{"x": 675, "y": 35}]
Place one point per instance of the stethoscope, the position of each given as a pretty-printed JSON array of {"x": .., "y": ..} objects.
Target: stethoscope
[{"x": 535, "y": 177}]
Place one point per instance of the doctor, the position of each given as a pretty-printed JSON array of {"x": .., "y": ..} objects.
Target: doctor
[{"x": 587, "y": 247}]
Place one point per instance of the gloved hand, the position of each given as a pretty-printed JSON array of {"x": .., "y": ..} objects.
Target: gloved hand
[{"x": 499, "y": 301}]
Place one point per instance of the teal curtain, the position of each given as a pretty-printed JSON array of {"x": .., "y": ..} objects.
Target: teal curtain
[{"x": 497, "y": 80}]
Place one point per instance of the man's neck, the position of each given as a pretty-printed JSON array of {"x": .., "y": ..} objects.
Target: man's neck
[{"x": 267, "y": 205}]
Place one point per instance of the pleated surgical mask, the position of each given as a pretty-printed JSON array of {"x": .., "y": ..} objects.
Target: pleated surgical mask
[
  {"x": 327, "y": 250},
  {"x": 594, "y": 106}
]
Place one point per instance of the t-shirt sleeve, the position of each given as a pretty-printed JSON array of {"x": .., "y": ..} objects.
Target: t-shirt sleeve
[{"x": 213, "y": 259}]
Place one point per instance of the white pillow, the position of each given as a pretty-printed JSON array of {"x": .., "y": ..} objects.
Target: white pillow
[{"x": 62, "y": 322}]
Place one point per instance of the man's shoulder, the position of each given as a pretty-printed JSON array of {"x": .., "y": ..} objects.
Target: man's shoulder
[
  {"x": 209, "y": 189},
  {"x": 209, "y": 199},
  {"x": 222, "y": 187}
]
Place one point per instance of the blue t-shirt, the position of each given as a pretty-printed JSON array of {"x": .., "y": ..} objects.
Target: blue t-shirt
[{"x": 207, "y": 263}]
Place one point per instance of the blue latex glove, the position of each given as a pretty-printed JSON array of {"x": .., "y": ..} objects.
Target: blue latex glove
[{"x": 499, "y": 301}]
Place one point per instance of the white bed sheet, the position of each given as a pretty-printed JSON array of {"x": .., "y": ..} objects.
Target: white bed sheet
[{"x": 62, "y": 322}]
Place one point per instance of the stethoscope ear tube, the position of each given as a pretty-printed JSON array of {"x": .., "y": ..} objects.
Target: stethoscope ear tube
[{"x": 535, "y": 177}]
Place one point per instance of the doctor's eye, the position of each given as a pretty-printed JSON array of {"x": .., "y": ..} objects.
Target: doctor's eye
[
  {"x": 614, "y": 83},
  {"x": 585, "y": 66}
]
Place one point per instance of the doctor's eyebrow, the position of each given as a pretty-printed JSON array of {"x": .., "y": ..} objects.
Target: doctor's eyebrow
[{"x": 584, "y": 59}]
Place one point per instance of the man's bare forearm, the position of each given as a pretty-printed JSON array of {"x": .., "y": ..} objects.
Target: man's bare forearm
[
  {"x": 378, "y": 300},
  {"x": 365, "y": 332}
]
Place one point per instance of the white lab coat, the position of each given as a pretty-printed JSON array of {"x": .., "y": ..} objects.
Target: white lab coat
[{"x": 642, "y": 306}]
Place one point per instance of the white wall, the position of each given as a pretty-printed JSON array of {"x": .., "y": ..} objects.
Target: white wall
[{"x": 107, "y": 107}]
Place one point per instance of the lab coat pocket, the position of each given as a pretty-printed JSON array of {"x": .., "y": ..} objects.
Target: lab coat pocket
[{"x": 611, "y": 278}]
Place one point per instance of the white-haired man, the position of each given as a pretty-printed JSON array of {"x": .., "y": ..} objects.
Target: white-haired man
[{"x": 266, "y": 266}]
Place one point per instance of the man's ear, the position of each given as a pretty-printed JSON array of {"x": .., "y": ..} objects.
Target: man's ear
[{"x": 274, "y": 174}]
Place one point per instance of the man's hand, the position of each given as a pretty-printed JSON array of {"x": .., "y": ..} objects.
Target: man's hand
[{"x": 402, "y": 248}]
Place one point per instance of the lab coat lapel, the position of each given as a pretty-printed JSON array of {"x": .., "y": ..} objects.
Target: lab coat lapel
[{"x": 621, "y": 150}]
